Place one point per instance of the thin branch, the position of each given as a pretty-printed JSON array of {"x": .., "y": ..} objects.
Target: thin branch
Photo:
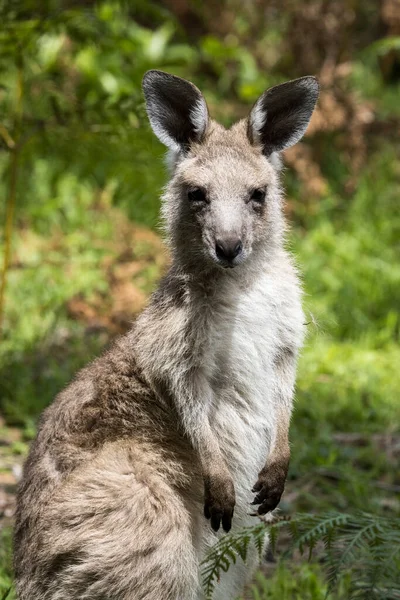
[
  {"x": 7, "y": 137},
  {"x": 11, "y": 200},
  {"x": 6, "y": 594}
]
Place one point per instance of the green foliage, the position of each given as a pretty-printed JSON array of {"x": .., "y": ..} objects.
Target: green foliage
[
  {"x": 304, "y": 581},
  {"x": 362, "y": 549},
  {"x": 228, "y": 551},
  {"x": 43, "y": 346},
  {"x": 82, "y": 105},
  {"x": 5, "y": 565},
  {"x": 354, "y": 251}
]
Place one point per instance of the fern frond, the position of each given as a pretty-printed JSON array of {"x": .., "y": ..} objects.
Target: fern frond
[
  {"x": 226, "y": 552},
  {"x": 365, "y": 546},
  {"x": 310, "y": 529}
]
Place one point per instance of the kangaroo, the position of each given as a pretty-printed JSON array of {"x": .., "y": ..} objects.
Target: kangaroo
[{"x": 159, "y": 445}]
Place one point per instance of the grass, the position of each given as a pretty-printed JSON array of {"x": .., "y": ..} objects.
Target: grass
[
  {"x": 301, "y": 582},
  {"x": 5, "y": 565},
  {"x": 43, "y": 343}
]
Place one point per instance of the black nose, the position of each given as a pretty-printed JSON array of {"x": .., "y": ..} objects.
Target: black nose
[{"x": 228, "y": 249}]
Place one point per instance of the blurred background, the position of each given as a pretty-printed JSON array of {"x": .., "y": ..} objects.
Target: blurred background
[{"x": 80, "y": 248}]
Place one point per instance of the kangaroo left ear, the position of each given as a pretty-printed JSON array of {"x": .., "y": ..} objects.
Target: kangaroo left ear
[
  {"x": 176, "y": 108},
  {"x": 281, "y": 115}
]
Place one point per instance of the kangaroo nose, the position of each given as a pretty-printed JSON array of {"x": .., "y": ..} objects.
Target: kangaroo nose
[{"x": 228, "y": 249}]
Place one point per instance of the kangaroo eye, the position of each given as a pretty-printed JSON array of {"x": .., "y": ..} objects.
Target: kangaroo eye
[
  {"x": 197, "y": 195},
  {"x": 258, "y": 195}
]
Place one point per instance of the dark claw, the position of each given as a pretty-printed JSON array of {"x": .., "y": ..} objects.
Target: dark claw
[
  {"x": 267, "y": 498},
  {"x": 219, "y": 502},
  {"x": 216, "y": 520},
  {"x": 218, "y": 516},
  {"x": 227, "y": 521},
  {"x": 267, "y": 501},
  {"x": 263, "y": 494},
  {"x": 258, "y": 499},
  {"x": 267, "y": 506}
]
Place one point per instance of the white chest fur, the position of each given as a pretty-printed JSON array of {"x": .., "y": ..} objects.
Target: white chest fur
[{"x": 248, "y": 333}]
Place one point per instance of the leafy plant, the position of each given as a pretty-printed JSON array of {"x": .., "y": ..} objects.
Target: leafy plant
[
  {"x": 363, "y": 546},
  {"x": 6, "y": 591},
  {"x": 302, "y": 581}
]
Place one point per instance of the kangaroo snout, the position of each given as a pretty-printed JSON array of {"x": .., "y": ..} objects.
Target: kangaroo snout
[{"x": 228, "y": 249}]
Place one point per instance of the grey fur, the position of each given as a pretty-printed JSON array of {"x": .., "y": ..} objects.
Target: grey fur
[{"x": 191, "y": 408}]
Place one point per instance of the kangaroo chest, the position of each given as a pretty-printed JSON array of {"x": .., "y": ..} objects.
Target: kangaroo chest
[{"x": 242, "y": 348}]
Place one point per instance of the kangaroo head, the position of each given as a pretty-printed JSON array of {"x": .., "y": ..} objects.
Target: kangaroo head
[{"x": 222, "y": 204}]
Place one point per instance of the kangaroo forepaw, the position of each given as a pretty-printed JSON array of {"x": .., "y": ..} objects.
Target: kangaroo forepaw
[
  {"x": 269, "y": 488},
  {"x": 219, "y": 502}
]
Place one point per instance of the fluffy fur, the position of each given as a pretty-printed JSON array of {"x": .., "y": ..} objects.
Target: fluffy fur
[{"x": 187, "y": 412}]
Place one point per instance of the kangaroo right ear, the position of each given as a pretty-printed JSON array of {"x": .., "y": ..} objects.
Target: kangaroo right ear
[
  {"x": 281, "y": 115},
  {"x": 177, "y": 110}
]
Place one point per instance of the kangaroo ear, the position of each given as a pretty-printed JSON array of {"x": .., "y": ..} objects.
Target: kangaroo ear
[
  {"x": 281, "y": 115},
  {"x": 177, "y": 110}
]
